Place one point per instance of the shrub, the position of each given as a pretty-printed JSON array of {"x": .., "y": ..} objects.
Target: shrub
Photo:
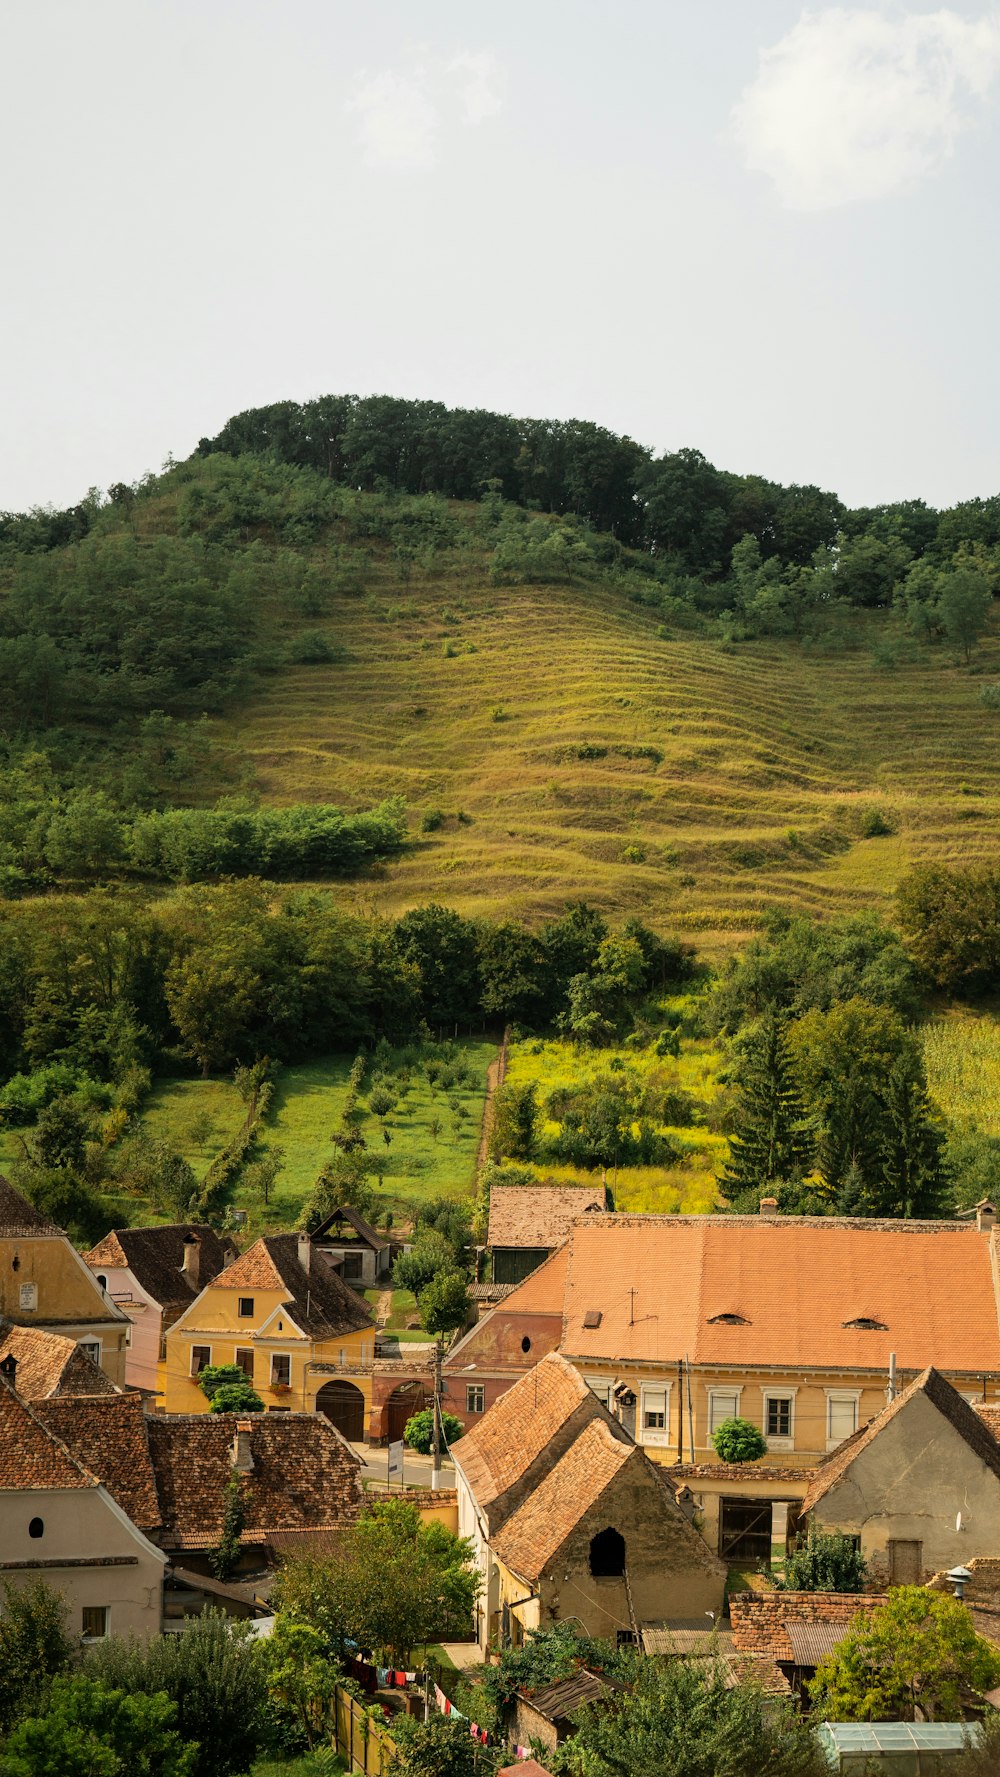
[
  {"x": 989, "y": 697},
  {"x": 432, "y": 820},
  {"x": 736, "y": 1440},
  {"x": 313, "y": 647},
  {"x": 236, "y": 1397},
  {"x": 88, "y": 1730},
  {"x": 876, "y": 823},
  {"x": 826, "y": 1562},
  {"x": 34, "y": 1646},
  {"x": 418, "y": 1432}
]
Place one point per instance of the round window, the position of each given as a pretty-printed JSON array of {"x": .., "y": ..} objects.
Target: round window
[
  {"x": 525, "y": 1344},
  {"x": 36, "y": 1527}
]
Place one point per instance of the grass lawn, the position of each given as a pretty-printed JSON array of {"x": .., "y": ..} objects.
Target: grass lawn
[
  {"x": 305, "y": 1110},
  {"x": 307, "y": 1764}
]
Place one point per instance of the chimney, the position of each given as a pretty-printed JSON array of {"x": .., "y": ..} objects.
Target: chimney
[
  {"x": 191, "y": 1262},
  {"x": 242, "y": 1456},
  {"x": 986, "y": 1215},
  {"x": 8, "y": 1370},
  {"x": 769, "y": 1206},
  {"x": 305, "y": 1252}
]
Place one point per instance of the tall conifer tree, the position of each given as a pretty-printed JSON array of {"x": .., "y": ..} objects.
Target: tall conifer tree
[{"x": 770, "y": 1138}]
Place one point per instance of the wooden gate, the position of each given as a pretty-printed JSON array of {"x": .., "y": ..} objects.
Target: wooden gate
[{"x": 745, "y": 1531}]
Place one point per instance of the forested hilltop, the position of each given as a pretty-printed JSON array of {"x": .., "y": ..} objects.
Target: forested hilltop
[{"x": 497, "y": 661}]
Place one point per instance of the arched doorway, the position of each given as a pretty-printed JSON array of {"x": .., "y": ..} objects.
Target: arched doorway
[
  {"x": 403, "y": 1402},
  {"x": 344, "y": 1407}
]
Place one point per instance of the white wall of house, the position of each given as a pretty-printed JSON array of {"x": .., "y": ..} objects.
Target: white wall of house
[
  {"x": 80, "y": 1543},
  {"x": 143, "y": 1353}
]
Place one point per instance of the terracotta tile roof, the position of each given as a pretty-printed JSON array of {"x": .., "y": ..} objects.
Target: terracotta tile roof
[
  {"x": 989, "y": 1413},
  {"x": 155, "y": 1257},
  {"x": 521, "y": 1425},
  {"x": 534, "y": 1533},
  {"x": 19, "y": 1217},
  {"x": 938, "y": 1390},
  {"x": 541, "y": 1293},
  {"x": 304, "y": 1475},
  {"x": 660, "y": 1282},
  {"x": 741, "y": 1471},
  {"x": 539, "y": 1215},
  {"x": 761, "y": 1621},
  {"x": 318, "y": 1300},
  {"x": 48, "y": 1363},
  {"x": 107, "y": 1434},
  {"x": 30, "y": 1457}
]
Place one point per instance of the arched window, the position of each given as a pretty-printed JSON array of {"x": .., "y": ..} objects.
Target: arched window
[
  {"x": 36, "y": 1527},
  {"x": 102, "y": 1281},
  {"x": 607, "y": 1555}
]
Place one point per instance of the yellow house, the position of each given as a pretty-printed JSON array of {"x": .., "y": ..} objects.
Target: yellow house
[
  {"x": 298, "y": 1332},
  {"x": 45, "y": 1283}
]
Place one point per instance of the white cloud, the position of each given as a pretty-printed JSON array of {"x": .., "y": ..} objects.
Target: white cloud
[
  {"x": 401, "y": 113},
  {"x": 852, "y": 103}
]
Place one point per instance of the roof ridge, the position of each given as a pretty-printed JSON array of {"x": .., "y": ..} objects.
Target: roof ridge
[{"x": 51, "y": 1436}]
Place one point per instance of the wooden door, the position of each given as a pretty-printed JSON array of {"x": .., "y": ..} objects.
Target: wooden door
[{"x": 906, "y": 1563}]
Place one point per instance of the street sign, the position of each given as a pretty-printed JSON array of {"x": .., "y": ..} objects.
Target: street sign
[{"x": 396, "y": 1460}]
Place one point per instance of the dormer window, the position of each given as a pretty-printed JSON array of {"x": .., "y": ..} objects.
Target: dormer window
[
  {"x": 865, "y": 1324},
  {"x": 728, "y": 1320},
  {"x": 593, "y": 1318}
]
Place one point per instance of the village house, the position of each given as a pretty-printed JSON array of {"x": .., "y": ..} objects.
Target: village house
[
  {"x": 528, "y": 1222},
  {"x": 153, "y": 1274},
  {"x": 570, "y": 1521},
  {"x": 507, "y": 1343},
  {"x": 352, "y": 1247},
  {"x": 60, "y": 1523},
  {"x": 39, "y": 1364},
  {"x": 919, "y": 1487},
  {"x": 302, "y": 1336},
  {"x": 45, "y": 1283}
]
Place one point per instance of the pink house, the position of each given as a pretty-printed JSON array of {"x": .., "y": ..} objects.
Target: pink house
[{"x": 153, "y": 1275}]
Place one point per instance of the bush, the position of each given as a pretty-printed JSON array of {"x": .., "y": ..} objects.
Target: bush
[
  {"x": 736, "y": 1440},
  {"x": 875, "y": 823},
  {"x": 418, "y": 1432},
  {"x": 34, "y": 1646},
  {"x": 429, "y": 1254},
  {"x": 826, "y": 1562},
  {"x": 236, "y": 1397},
  {"x": 88, "y": 1730}
]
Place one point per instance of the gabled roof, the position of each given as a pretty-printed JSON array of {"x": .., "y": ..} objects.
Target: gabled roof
[
  {"x": 18, "y": 1217},
  {"x": 364, "y": 1230},
  {"x": 304, "y": 1475},
  {"x": 49, "y": 1364},
  {"x": 938, "y": 1390},
  {"x": 30, "y": 1456},
  {"x": 539, "y": 1215},
  {"x": 107, "y": 1434},
  {"x": 521, "y": 1425},
  {"x": 318, "y": 1300},
  {"x": 557, "y": 1701},
  {"x": 541, "y": 1293},
  {"x": 659, "y": 1282},
  {"x": 534, "y": 1533},
  {"x": 155, "y": 1257}
]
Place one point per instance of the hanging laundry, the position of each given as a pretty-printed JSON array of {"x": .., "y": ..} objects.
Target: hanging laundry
[{"x": 399, "y": 1678}]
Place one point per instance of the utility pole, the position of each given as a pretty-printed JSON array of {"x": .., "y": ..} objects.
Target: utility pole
[
  {"x": 436, "y": 1430},
  {"x": 680, "y": 1411},
  {"x": 890, "y": 1392}
]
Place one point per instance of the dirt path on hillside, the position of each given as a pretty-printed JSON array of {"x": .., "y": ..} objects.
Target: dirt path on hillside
[{"x": 494, "y": 1078}]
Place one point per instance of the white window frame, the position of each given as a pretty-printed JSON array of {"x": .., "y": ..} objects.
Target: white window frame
[
  {"x": 654, "y": 1438},
  {"x": 196, "y": 1373},
  {"x": 273, "y": 1383},
  {"x": 478, "y": 1389},
  {"x": 90, "y": 1346},
  {"x": 840, "y": 1395},
  {"x": 731, "y": 1391},
  {"x": 601, "y": 1386},
  {"x": 779, "y": 1394}
]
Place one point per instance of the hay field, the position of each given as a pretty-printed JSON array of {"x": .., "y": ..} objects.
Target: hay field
[{"x": 575, "y": 749}]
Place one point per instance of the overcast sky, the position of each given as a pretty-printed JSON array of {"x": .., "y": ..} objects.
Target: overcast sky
[{"x": 766, "y": 232}]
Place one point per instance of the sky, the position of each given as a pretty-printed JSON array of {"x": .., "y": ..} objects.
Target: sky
[{"x": 766, "y": 232}]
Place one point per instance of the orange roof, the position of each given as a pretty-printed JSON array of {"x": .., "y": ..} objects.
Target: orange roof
[
  {"x": 519, "y": 1426},
  {"x": 963, "y": 1419},
  {"x": 30, "y": 1456},
  {"x": 539, "y": 1215},
  {"x": 48, "y": 1364},
  {"x": 660, "y": 1283},
  {"x": 319, "y": 1301},
  {"x": 537, "y": 1530},
  {"x": 544, "y": 1291}
]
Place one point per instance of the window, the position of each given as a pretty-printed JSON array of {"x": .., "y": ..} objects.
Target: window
[
  {"x": 841, "y": 1417},
  {"x": 475, "y": 1398},
  {"x": 279, "y": 1409},
  {"x": 281, "y": 1370},
  {"x": 607, "y": 1555},
  {"x": 525, "y": 1343},
  {"x": 201, "y": 1357},
  {"x": 353, "y": 1264},
  {"x": 28, "y": 1297},
  {"x": 244, "y": 1361},
  {"x": 245, "y": 1308},
  {"x": 95, "y": 1622},
  {"x": 655, "y": 1417},
  {"x": 37, "y": 1527},
  {"x": 92, "y": 1347},
  {"x": 723, "y": 1403},
  {"x": 102, "y": 1280},
  {"x": 602, "y": 1389},
  {"x": 778, "y": 1410}
]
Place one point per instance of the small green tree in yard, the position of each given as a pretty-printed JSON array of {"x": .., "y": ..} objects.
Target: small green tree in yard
[
  {"x": 429, "y": 1254},
  {"x": 34, "y": 1647},
  {"x": 236, "y": 1397},
  {"x": 826, "y": 1562},
  {"x": 418, "y": 1432},
  {"x": 440, "y": 1747},
  {"x": 736, "y": 1440},
  {"x": 917, "y": 1652},
  {"x": 444, "y": 1304},
  {"x": 216, "y": 1674},
  {"x": 87, "y": 1730},
  {"x": 302, "y": 1681},
  {"x": 515, "y": 1118}
]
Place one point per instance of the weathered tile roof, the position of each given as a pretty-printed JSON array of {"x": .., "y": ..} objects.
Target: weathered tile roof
[
  {"x": 49, "y": 1364},
  {"x": 318, "y": 1300},
  {"x": 938, "y": 1390},
  {"x": 30, "y": 1456},
  {"x": 107, "y": 1434},
  {"x": 989, "y": 1413},
  {"x": 534, "y": 1533},
  {"x": 498, "y": 1451},
  {"x": 557, "y": 1701},
  {"x": 304, "y": 1475},
  {"x": 20, "y": 1218},
  {"x": 539, "y": 1215},
  {"x": 660, "y": 1283},
  {"x": 761, "y": 1621},
  {"x": 155, "y": 1257}
]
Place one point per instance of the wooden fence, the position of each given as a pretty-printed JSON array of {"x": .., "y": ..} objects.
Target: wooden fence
[{"x": 361, "y": 1742}]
